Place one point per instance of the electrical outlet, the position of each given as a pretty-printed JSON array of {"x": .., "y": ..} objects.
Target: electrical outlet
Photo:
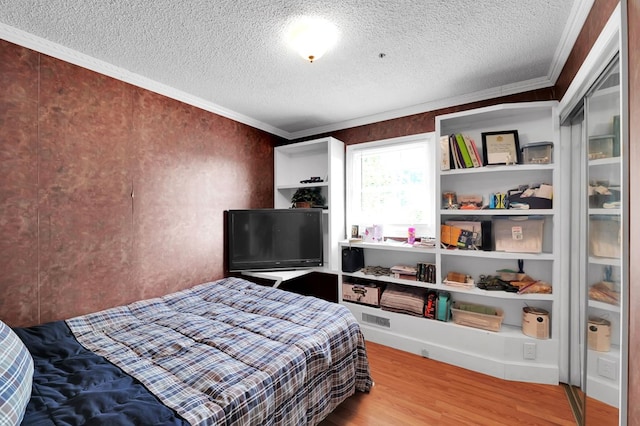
[
  {"x": 529, "y": 351},
  {"x": 607, "y": 368}
]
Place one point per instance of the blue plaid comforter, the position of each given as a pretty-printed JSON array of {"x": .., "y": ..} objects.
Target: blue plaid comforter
[{"x": 233, "y": 352}]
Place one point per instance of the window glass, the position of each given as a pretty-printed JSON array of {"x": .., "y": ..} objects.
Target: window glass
[{"x": 392, "y": 183}]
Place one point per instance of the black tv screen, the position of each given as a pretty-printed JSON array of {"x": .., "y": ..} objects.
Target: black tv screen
[{"x": 274, "y": 239}]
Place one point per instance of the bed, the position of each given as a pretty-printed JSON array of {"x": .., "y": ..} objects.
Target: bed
[{"x": 221, "y": 353}]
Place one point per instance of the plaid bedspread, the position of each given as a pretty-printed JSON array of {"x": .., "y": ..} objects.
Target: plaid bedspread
[{"x": 233, "y": 352}]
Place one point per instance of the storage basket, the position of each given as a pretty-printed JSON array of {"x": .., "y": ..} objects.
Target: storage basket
[
  {"x": 604, "y": 236},
  {"x": 476, "y": 319},
  {"x": 518, "y": 234},
  {"x": 599, "y": 335},
  {"x": 535, "y": 322}
]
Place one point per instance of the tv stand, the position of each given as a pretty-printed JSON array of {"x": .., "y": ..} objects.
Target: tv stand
[{"x": 278, "y": 277}]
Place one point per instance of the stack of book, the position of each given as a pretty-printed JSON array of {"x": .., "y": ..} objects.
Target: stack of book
[
  {"x": 404, "y": 271},
  {"x": 459, "y": 152}
]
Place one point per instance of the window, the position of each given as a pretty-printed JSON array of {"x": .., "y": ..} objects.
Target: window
[{"x": 392, "y": 183}]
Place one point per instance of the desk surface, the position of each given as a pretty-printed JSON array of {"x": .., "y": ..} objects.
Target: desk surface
[{"x": 278, "y": 276}]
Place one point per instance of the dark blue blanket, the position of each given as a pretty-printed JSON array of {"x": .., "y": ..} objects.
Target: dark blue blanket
[{"x": 73, "y": 386}]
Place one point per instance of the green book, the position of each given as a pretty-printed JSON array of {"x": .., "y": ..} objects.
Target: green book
[{"x": 468, "y": 163}]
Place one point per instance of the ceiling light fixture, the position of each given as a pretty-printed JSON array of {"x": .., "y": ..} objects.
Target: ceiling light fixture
[{"x": 311, "y": 37}]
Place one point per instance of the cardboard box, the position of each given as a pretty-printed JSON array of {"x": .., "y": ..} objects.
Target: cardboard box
[
  {"x": 535, "y": 322},
  {"x": 477, "y": 319},
  {"x": 367, "y": 294}
]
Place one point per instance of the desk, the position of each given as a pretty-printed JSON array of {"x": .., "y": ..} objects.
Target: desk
[{"x": 278, "y": 276}]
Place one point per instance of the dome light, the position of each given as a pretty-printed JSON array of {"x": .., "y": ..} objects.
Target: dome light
[{"x": 312, "y": 37}]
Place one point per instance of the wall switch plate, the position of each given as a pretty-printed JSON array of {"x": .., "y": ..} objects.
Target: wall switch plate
[
  {"x": 607, "y": 368},
  {"x": 529, "y": 351}
]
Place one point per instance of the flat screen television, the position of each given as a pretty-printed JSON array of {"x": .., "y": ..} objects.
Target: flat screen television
[{"x": 274, "y": 239}]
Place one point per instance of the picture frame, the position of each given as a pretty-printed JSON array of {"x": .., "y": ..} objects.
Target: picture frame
[{"x": 501, "y": 147}]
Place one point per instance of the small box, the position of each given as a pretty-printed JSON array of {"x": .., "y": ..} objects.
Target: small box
[
  {"x": 518, "y": 234},
  {"x": 477, "y": 319},
  {"x": 537, "y": 153},
  {"x": 367, "y": 294},
  {"x": 601, "y": 147},
  {"x": 605, "y": 236},
  {"x": 599, "y": 335},
  {"x": 535, "y": 322}
]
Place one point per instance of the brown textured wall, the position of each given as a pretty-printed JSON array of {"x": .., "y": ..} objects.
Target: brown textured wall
[
  {"x": 75, "y": 146},
  {"x": 19, "y": 295}
]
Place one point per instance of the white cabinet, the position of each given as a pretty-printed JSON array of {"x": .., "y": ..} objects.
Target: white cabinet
[
  {"x": 507, "y": 353},
  {"x": 323, "y": 158}
]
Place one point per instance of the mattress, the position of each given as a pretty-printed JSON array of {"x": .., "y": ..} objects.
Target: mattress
[{"x": 225, "y": 352}]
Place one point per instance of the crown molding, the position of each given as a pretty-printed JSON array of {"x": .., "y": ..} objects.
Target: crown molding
[
  {"x": 66, "y": 54},
  {"x": 506, "y": 90},
  {"x": 577, "y": 17}
]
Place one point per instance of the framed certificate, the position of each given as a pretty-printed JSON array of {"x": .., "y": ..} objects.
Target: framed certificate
[{"x": 501, "y": 147}]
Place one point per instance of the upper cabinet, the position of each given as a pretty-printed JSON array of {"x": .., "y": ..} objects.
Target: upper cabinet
[{"x": 316, "y": 164}]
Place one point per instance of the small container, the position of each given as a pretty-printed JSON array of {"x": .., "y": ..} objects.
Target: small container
[
  {"x": 599, "y": 335},
  {"x": 535, "y": 322},
  {"x": 601, "y": 146},
  {"x": 411, "y": 235},
  {"x": 518, "y": 234},
  {"x": 537, "y": 153}
]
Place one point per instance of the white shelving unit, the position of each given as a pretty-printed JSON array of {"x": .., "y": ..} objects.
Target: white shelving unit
[
  {"x": 500, "y": 354},
  {"x": 322, "y": 158}
]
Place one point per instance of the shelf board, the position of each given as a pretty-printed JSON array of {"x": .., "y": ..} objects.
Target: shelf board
[
  {"x": 473, "y": 291},
  {"x": 389, "y": 245},
  {"x": 497, "y": 254},
  {"x": 598, "y": 137},
  {"x": 498, "y": 168},
  {"x": 506, "y": 330},
  {"x": 605, "y": 212},
  {"x": 302, "y": 185},
  {"x": 609, "y": 261},
  {"x": 498, "y": 212},
  {"x": 605, "y": 161},
  {"x": 604, "y": 306},
  {"x": 396, "y": 246}
]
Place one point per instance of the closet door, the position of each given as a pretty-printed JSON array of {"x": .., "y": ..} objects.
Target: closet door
[{"x": 603, "y": 233}]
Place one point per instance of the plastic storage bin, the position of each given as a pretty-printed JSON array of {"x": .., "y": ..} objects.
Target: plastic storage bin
[
  {"x": 518, "y": 234},
  {"x": 537, "y": 153},
  {"x": 605, "y": 236}
]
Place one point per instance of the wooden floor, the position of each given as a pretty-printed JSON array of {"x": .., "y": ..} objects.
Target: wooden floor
[{"x": 412, "y": 390}]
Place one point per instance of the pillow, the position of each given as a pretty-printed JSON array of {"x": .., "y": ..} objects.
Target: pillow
[{"x": 16, "y": 377}]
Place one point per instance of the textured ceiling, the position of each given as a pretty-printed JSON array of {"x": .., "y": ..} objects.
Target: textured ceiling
[{"x": 230, "y": 56}]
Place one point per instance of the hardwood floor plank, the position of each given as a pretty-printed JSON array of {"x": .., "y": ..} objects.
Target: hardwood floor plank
[{"x": 412, "y": 390}]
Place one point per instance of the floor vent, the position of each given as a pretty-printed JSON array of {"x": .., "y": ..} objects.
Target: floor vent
[{"x": 372, "y": 319}]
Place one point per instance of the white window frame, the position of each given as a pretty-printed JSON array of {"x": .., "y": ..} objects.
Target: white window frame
[{"x": 352, "y": 185}]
